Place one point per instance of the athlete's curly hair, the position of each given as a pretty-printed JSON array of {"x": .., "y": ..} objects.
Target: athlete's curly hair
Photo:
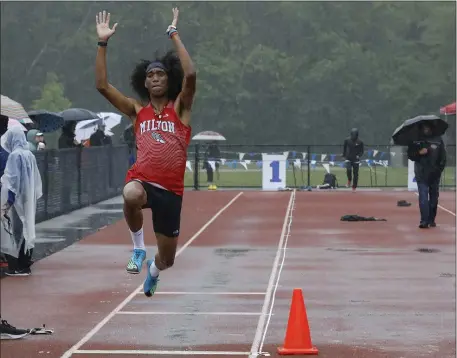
[{"x": 174, "y": 71}]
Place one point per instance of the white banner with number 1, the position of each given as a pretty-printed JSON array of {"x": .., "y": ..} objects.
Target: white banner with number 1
[{"x": 273, "y": 171}]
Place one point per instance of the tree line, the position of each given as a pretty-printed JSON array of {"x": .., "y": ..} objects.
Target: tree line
[{"x": 268, "y": 72}]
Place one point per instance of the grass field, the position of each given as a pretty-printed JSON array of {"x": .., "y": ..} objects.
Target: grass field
[{"x": 378, "y": 176}]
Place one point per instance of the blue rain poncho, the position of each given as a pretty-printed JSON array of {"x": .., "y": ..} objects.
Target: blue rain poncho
[{"x": 23, "y": 180}]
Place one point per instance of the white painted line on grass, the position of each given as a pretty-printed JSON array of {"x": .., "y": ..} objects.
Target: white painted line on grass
[
  {"x": 442, "y": 208},
  {"x": 190, "y": 313},
  {"x": 151, "y": 352},
  {"x": 209, "y": 293},
  {"x": 104, "y": 321},
  {"x": 266, "y": 304}
]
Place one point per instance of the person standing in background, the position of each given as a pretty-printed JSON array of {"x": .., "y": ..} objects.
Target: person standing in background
[
  {"x": 32, "y": 135},
  {"x": 128, "y": 137},
  {"x": 7, "y": 331},
  {"x": 3, "y": 152},
  {"x": 213, "y": 154},
  {"x": 99, "y": 138},
  {"x": 67, "y": 138},
  {"x": 41, "y": 143},
  {"x": 352, "y": 152},
  {"x": 20, "y": 191},
  {"x": 3, "y": 160},
  {"x": 429, "y": 157}
]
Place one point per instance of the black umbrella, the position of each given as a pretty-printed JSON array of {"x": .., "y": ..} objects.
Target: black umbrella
[
  {"x": 46, "y": 121},
  {"x": 410, "y": 130},
  {"x": 78, "y": 114}
]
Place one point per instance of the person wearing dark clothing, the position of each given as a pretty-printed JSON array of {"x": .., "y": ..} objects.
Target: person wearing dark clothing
[
  {"x": 212, "y": 154},
  {"x": 99, "y": 138},
  {"x": 67, "y": 138},
  {"x": 429, "y": 157},
  {"x": 128, "y": 138},
  {"x": 352, "y": 151}
]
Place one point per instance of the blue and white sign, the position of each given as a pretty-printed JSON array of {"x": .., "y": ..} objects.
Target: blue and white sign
[
  {"x": 273, "y": 171},
  {"x": 412, "y": 184}
]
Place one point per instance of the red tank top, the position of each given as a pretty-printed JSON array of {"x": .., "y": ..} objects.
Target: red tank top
[{"x": 162, "y": 141}]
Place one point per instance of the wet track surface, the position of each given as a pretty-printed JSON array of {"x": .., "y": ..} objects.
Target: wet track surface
[
  {"x": 58, "y": 233},
  {"x": 372, "y": 289}
]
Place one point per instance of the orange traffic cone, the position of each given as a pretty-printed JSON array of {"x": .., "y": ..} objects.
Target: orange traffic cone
[{"x": 298, "y": 337}]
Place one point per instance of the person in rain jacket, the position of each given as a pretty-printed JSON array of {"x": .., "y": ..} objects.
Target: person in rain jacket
[
  {"x": 32, "y": 140},
  {"x": 3, "y": 159},
  {"x": 429, "y": 157},
  {"x": 7, "y": 331},
  {"x": 21, "y": 187},
  {"x": 3, "y": 152}
]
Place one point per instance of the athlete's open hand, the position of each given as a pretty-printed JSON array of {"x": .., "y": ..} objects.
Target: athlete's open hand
[
  {"x": 174, "y": 23},
  {"x": 103, "y": 30}
]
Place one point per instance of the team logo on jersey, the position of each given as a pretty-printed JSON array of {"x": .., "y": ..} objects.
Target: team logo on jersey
[{"x": 158, "y": 137}]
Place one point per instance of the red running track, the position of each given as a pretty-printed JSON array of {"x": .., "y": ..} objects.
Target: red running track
[{"x": 368, "y": 291}]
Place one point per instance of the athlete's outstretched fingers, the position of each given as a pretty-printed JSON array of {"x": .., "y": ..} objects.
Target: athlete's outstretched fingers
[{"x": 134, "y": 194}]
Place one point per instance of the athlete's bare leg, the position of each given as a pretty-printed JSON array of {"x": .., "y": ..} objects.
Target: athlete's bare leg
[
  {"x": 165, "y": 258},
  {"x": 166, "y": 251},
  {"x": 134, "y": 199}
]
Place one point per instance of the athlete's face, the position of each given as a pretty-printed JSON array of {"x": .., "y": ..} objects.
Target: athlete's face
[{"x": 157, "y": 82}]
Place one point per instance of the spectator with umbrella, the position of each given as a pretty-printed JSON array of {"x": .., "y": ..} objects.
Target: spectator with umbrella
[
  {"x": 45, "y": 121},
  {"x": 426, "y": 149},
  {"x": 67, "y": 138},
  {"x": 71, "y": 116},
  {"x": 99, "y": 138},
  {"x": 212, "y": 157},
  {"x": 35, "y": 140}
]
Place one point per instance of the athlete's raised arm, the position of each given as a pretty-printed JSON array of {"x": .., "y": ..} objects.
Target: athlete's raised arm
[
  {"x": 122, "y": 103},
  {"x": 186, "y": 97}
]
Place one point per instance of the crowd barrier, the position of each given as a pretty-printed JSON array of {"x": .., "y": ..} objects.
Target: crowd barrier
[{"x": 78, "y": 177}]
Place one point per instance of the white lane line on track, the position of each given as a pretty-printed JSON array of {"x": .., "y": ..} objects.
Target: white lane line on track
[
  {"x": 203, "y": 293},
  {"x": 104, "y": 321},
  {"x": 190, "y": 313},
  {"x": 151, "y": 352},
  {"x": 271, "y": 283},
  {"x": 442, "y": 208},
  {"x": 281, "y": 266}
]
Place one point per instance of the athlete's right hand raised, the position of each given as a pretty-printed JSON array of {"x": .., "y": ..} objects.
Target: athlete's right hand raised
[{"x": 103, "y": 30}]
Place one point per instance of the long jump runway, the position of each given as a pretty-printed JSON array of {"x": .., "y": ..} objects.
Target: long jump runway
[{"x": 372, "y": 289}]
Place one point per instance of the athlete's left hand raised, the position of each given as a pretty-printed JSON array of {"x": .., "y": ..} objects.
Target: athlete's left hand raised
[
  {"x": 175, "y": 17},
  {"x": 174, "y": 22}
]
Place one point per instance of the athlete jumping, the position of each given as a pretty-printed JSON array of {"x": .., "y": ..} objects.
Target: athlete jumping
[{"x": 161, "y": 120}]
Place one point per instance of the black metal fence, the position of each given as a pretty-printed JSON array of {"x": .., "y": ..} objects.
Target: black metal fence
[{"x": 75, "y": 178}]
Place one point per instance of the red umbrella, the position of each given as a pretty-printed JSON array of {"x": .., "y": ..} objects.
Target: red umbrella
[{"x": 449, "y": 109}]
